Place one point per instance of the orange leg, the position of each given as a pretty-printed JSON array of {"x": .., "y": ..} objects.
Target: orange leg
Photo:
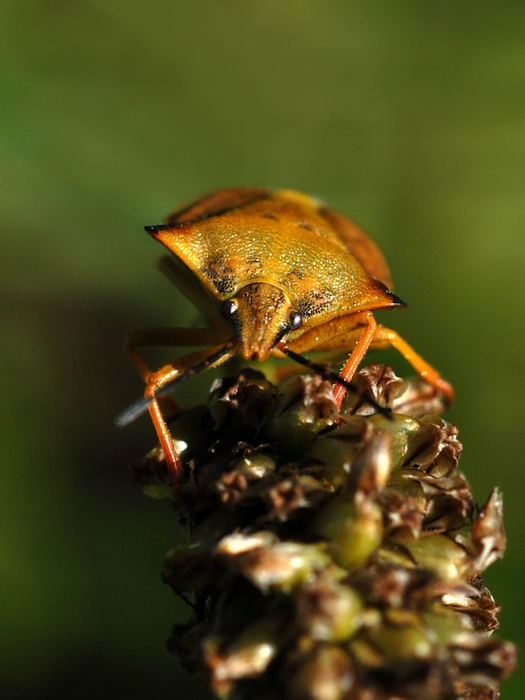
[
  {"x": 166, "y": 338},
  {"x": 361, "y": 332},
  {"x": 386, "y": 336},
  {"x": 355, "y": 358},
  {"x": 189, "y": 364}
]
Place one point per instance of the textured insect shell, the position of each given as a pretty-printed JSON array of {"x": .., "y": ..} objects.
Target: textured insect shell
[{"x": 237, "y": 237}]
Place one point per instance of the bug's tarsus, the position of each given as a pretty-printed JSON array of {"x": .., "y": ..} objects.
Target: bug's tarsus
[
  {"x": 132, "y": 412},
  {"x": 329, "y": 374}
]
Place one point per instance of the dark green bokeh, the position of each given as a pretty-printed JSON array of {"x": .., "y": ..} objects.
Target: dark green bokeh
[{"x": 408, "y": 116}]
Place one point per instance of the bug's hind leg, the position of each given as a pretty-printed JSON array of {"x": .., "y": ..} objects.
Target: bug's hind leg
[{"x": 384, "y": 337}]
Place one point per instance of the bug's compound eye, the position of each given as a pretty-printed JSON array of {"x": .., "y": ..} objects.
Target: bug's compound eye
[
  {"x": 296, "y": 320},
  {"x": 228, "y": 308}
]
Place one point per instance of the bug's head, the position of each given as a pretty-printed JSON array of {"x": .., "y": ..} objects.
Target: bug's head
[{"x": 261, "y": 315}]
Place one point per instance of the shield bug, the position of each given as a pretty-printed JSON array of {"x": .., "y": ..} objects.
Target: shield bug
[{"x": 275, "y": 273}]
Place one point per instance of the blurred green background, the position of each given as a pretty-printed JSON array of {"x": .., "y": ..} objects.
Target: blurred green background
[{"x": 407, "y": 115}]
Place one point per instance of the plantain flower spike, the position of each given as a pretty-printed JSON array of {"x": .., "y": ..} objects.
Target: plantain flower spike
[{"x": 330, "y": 556}]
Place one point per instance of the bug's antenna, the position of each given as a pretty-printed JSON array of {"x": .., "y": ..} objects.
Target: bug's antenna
[
  {"x": 329, "y": 374},
  {"x": 141, "y": 406}
]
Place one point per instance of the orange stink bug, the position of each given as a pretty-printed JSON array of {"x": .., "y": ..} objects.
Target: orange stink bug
[{"x": 276, "y": 273}]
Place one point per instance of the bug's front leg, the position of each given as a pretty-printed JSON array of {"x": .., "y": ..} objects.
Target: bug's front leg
[
  {"x": 168, "y": 338},
  {"x": 188, "y": 365},
  {"x": 164, "y": 338},
  {"x": 353, "y": 332},
  {"x": 155, "y": 382},
  {"x": 353, "y": 362}
]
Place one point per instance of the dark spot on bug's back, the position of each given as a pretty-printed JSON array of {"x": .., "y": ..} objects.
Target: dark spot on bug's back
[
  {"x": 306, "y": 226},
  {"x": 306, "y": 308},
  {"x": 314, "y": 303},
  {"x": 224, "y": 285},
  {"x": 321, "y": 297},
  {"x": 221, "y": 275},
  {"x": 269, "y": 215},
  {"x": 211, "y": 272}
]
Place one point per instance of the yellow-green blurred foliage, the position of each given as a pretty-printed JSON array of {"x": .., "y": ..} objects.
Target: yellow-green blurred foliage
[{"x": 408, "y": 116}]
